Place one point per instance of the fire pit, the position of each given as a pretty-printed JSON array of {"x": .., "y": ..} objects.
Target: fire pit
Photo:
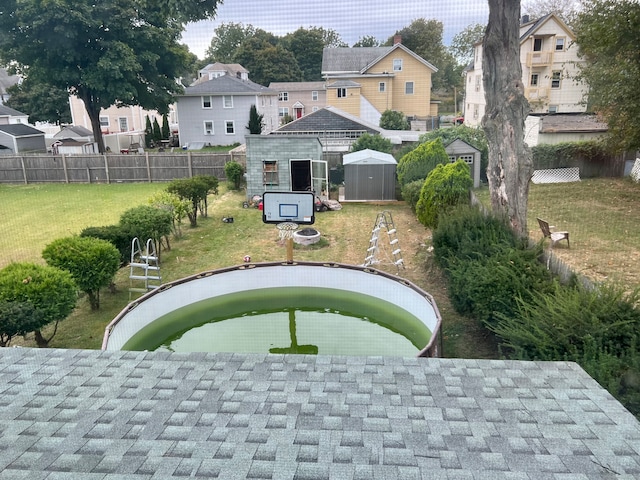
[{"x": 306, "y": 236}]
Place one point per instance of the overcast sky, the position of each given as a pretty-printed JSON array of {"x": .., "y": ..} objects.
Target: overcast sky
[{"x": 352, "y": 19}]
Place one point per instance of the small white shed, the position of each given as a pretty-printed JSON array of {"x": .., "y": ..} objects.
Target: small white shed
[
  {"x": 369, "y": 175},
  {"x": 461, "y": 150}
]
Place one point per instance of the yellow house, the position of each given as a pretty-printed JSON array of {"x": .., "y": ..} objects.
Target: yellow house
[{"x": 366, "y": 81}]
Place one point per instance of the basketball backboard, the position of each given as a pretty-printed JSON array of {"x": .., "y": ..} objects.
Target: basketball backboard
[{"x": 296, "y": 207}]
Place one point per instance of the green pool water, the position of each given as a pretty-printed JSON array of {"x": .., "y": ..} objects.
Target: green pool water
[{"x": 287, "y": 320}]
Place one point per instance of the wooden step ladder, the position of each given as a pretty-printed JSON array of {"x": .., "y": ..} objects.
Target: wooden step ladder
[
  {"x": 384, "y": 226},
  {"x": 144, "y": 267}
]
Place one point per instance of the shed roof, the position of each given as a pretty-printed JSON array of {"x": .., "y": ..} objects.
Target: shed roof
[
  {"x": 20, "y": 130},
  {"x": 368, "y": 156},
  {"x": 80, "y": 414}
]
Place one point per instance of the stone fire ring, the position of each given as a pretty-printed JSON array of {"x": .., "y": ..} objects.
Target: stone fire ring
[{"x": 306, "y": 236}]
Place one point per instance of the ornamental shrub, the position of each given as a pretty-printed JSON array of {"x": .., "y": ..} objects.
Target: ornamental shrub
[
  {"x": 234, "y": 172},
  {"x": 411, "y": 193},
  {"x": 372, "y": 142},
  {"x": 147, "y": 222},
  {"x": 394, "y": 120},
  {"x": 195, "y": 190},
  {"x": 176, "y": 206},
  {"x": 445, "y": 187},
  {"x": 92, "y": 262},
  {"x": 17, "y": 318},
  {"x": 417, "y": 164},
  {"x": 114, "y": 234},
  {"x": 49, "y": 290}
]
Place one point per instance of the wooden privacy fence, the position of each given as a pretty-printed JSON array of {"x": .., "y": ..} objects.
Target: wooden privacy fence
[{"x": 113, "y": 168}]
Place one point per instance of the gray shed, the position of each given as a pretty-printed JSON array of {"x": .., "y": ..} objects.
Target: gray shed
[
  {"x": 20, "y": 138},
  {"x": 461, "y": 150},
  {"x": 369, "y": 175}
]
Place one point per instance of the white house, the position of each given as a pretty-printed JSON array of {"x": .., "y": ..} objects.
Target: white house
[{"x": 549, "y": 58}]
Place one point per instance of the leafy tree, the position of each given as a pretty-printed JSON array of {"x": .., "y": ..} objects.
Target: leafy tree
[
  {"x": 463, "y": 43},
  {"x": 394, "y": 120},
  {"x": 165, "y": 127},
  {"x": 92, "y": 263},
  {"x": 330, "y": 38},
  {"x": 268, "y": 63},
  {"x": 41, "y": 101},
  {"x": 417, "y": 164},
  {"x": 195, "y": 190},
  {"x": 147, "y": 222},
  {"x": 367, "y": 41},
  {"x": 445, "y": 187},
  {"x": 17, "y": 318},
  {"x": 106, "y": 53},
  {"x": 372, "y": 142},
  {"x": 608, "y": 34},
  {"x": 510, "y": 163},
  {"x": 306, "y": 46},
  {"x": 566, "y": 10},
  {"x": 234, "y": 173},
  {"x": 51, "y": 292},
  {"x": 176, "y": 206},
  {"x": 255, "y": 121},
  {"x": 226, "y": 41}
]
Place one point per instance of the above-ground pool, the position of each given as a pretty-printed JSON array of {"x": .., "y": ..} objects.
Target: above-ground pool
[{"x": 301, "y": 307}]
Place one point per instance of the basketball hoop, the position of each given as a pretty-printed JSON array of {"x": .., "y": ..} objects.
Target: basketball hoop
[{"x": 286, "y": 230}]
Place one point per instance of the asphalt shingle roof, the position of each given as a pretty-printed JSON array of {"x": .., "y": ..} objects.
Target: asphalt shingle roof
[
  {"x": 350, "y": 59},
  {"x": 20, "y": 130},
  {"x": 93, "y": 415},
  {"x": 227, "y": 85},
  {"x": 325, "y": 119}
]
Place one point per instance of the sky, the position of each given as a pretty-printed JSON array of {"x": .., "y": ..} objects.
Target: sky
[{"x": 352, "y": 19}]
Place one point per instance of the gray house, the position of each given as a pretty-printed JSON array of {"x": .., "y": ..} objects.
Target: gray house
[
  {"x": 216, "y": 111},
  {"x": 285, "y": 163},
  {"x": 20, "y": 138},
  {"x": 461, "y": 150},
  {"x": 369, "y": 175}
]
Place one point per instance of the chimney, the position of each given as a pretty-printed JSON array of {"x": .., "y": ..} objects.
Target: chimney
[
  {"x": 525, "y": 19},
  {"x": 397, "y": 39}
]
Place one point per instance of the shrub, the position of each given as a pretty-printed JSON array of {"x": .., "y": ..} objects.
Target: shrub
[
  {"x": 234, "y": 173},
  {"x": 176, "y": 206},
  {"x": 468, "y": 233},
  {"x": 147, "y": 222},
  {"x": 17, "y": 318},
  {"x": 49, "y": 290},
  {"x": 195, "y": 190},
  {"x": 411, "y": 193},
  {"x": 484, "y": 287},
  {"x": 445, "y": 187},
  {"x": 394, "y": 120},
  {"x": 115, "y": 235},
  {"x": 417, "y": 164},
  {"x": 373, "y": 142},
  {"x": 92, "y": 262}
]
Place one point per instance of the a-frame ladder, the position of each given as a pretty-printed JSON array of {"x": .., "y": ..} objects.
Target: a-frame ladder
[
  {"x": 384, "y": 233},
  {"x": 144, "y": 267}
]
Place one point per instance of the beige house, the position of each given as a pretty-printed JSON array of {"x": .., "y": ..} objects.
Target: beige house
[
  {"x": 297, "y": 99},
  {"x": 366, "y": 81},
  {"x": 549, "y": 58}
]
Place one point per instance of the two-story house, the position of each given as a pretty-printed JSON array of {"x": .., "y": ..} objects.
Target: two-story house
[
  {"x": 549, "y": 59},
  {"x": 216, "y": 111},
  {"x": 297, "y": 99},
  {"x": 366, "y": 81}
]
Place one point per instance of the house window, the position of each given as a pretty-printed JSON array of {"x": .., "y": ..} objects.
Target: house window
[
  {"x": 553, "y": 108},
  {"x": 408, "y": 88},
  {"x": 206, "y": 102},
  {"x": 283, "y": 111},
  {"x": 559, "y": 44},
  {"x": 208, "y": 127},
  {"x": 283, "y": 96},
  {"x": 342, "y": 93},
  {"x": 534, "y": 80},
  {"x": 314, "y": 95},
  {"x": 124, "y": 124},
  {"x": 478, "y": 81},
  {"x": 397, "y": 64},
  {"x": 382, "y": 86},
  {"x": 314, "y": 109},
  {"x": 475, "y": 111},
  {"x": 229, "y": 127},
  {"x": 104, "y": 121},
  {"x": 227, "y": 101},
  {"x": 537, "y": 44},
  {"x": 555, "y": 79},
  {"x": 269, "y": 172}
]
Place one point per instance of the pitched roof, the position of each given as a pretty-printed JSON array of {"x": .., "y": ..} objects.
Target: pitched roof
[
  {"x": 227, "y": 85},
  {"x": 10, "y": 112},
  {"x": 371, "y": 157},
  {"x": 85, "y": 414},
  {"x": 529, "y": 28},
  {"x": 296, "y": 86},
  {"x": 327, "y": 119},
  {"x": 357, "y": 60},
  {"x": 77, "y": 130},
  {"x": 20, "y": 130}
]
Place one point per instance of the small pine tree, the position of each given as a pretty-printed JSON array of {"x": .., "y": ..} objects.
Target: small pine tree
[
  {"x": 165, "y": 127},
  {"x": 148, "y": 133},
  {"x": 255, "y": 121},
  {"x": 157, "y": 131}
]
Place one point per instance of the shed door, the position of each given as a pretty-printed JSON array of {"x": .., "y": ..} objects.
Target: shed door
[{"x": 310, "y": 175}]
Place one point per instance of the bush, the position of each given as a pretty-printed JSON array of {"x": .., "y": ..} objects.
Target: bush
[
  {"x": 17, "y": 318},
  {"x": 393, "y": 120},
  {"x": 115, "y": 235},
  {"x": 92, "y": 262},
  {"x": 234, "y": 173},
  {"x": 176, "y": 206},
  {"x": 49, "y": 290},
  {"x": 467, "y": 233},
  {"x": 411, "y": 193},
  {"x": 195, "y": 190},
  {"x": 147, "y": 222},
  {"x": 417, "y": 164},
  {"x": 445, "y": 187},
  {"x": 372, "y": 142},
  {"x": 484, "y": 287}
]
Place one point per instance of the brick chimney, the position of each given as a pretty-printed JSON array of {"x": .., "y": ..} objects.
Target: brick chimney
[{"x": 397, "y": 39}]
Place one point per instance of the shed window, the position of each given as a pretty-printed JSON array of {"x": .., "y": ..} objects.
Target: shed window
[{"x": 269, "y": 172}]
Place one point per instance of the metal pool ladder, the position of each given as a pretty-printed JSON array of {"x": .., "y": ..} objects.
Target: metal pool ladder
[
  {"x": 384, "y": 224},
  {"x": 143, "y": 267}
]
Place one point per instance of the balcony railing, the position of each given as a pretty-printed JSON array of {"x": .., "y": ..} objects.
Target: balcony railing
[
  {"x": 539, "y": 59},
  {"x": 536, "y": 93}
]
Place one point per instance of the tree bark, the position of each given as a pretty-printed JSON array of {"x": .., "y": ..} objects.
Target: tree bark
[
  {"x": 510, "y": 162},
  {"x": 93, "y": 110}
]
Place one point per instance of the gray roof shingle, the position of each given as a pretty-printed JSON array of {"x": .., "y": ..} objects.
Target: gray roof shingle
[
  {"x": 20, "y": 130},
  {"x": 77, "y": 414},
  {"x": 228, "y": 85}
]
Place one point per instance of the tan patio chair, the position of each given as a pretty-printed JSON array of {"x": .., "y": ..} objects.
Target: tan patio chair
[{"x": 548, "y": 232}]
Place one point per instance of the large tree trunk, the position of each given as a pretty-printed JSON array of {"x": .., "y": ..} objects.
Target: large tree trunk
[
  {"x": 93, "y": 110},
  {"x": 510, "y": 162}
]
